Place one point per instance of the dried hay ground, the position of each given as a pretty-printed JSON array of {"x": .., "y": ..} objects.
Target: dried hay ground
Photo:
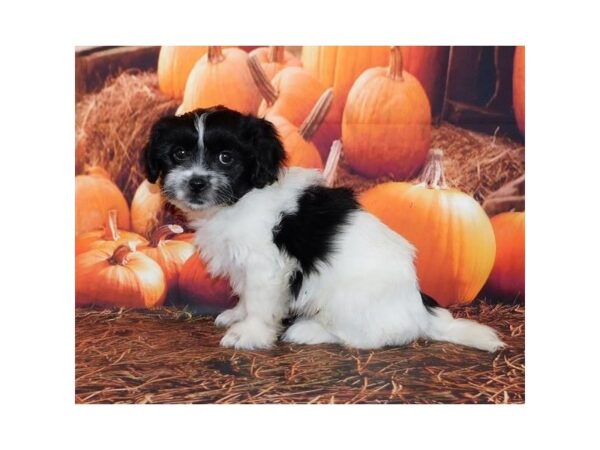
[{"x": 170, "y": 356}]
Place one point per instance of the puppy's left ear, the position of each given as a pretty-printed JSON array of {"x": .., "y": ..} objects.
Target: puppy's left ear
[
  {"x": 151, "y": 155},
  {"x": 269, "y": 153}
]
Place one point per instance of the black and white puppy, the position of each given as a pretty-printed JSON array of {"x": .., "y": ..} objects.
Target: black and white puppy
[{"x": 290, "y": 245}]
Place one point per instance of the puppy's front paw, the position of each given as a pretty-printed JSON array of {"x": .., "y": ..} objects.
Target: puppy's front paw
[
  {"x": 229, "y": 317},
  {"x": 249, "y": 334}
]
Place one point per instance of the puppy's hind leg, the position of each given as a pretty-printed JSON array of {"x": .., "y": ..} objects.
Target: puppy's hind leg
[{"x": 308, "y": 331}]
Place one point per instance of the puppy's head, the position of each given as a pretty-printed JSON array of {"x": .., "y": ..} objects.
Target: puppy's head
[{"x": 212, "y": 157}]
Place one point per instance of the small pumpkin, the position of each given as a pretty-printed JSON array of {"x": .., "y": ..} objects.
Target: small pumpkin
[
  {"x": 119, "y": 277},
  {"x": 452, "y": 234},
  {"x": 273, "y": 59},
  {"x": 519, "y": 87},
  {"x": 386, "y": 126},
  {"x": 296, "y": 141},
  {"x": 110, "y": 235},
  {"x": 507, "y": 279},
  {"x": 198, "y": 287},
  {"x": 292, "y": 93},
  {"x": 146, "y": 208},
  {"x": 95, "y": 196},
  {"x": 170, "y": 254},
  {"x": 174, "y": 66},
  {"x": 221, "y": 77}
]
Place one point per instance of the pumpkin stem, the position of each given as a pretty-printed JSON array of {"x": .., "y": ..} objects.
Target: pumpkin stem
[
  {"x": 396, "y": 63},
  {"x": 111, "y": 230},
  {"x": 119, "y": 256},
  {"x": 329, "y": 173},
  {"x": 215, "y": 54},
  {"x": 316, "y": 116},
  {"x": 433, "y": 172},
  {"x": 261, "y": 80},
  {"x": 163, "y": 232},
  {"x": 276, "y": 53}
]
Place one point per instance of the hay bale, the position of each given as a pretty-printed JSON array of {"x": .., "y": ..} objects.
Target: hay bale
[
  {"x": 112, "y": 126},
  {"x": 475, "y": 163}
]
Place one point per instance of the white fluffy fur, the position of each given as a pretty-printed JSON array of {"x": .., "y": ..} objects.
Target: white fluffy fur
[{"x": 366, "y": 297}]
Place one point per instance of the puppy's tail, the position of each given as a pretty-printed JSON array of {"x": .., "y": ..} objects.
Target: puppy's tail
[{"x": 444, "y": 327}]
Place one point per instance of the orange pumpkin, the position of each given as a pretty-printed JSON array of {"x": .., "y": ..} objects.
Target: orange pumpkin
[
  {"x": 146, "y": 208},
  {"x": 110, "y": 235},
  {"x": 429, "y": 65},
  {"x": 273, "y": 59},
  {"x": 452, "y": 234},
  {"x": 168, "y": 253},
  {"x": 386, "y": 127},
  {"x": 339, "y": 67},
  {"x": 95, "y": 196},
  {"x": 519, "y": 88},
  {"x": 118, "y": 277},
  {"x": 296, "y": 141},
  {"x": 197, "y": 287},
  {"x": 292, "y": 93},
  {"x": 221, "y": 77},
  {"x": 174, "y": 66},
  {"x": 507, "y": 279}
]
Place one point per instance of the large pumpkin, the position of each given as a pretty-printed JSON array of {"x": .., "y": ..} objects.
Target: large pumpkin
[
  {"x": 452, "y": 234},
  {"x": 198, "y": 288},
  {"x": 118, "y": 277},
  {"x": 273, "y": 59},
  {"x": 519, "y": 88},
  {"x": 507, "y": 279},
  {"x": 338, "y": 67},
  {"x": 95, "y": 196},
  {"x": 299, "y": 149},
  {"x": 386, "y": 127},
  {"x": 174, "y": 66},
  {"x": 221, "y": 77},
  {"x": 429, "y": 65}
]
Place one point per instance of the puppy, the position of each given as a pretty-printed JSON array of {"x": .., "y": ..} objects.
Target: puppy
[{"x": 291, "y": 246}]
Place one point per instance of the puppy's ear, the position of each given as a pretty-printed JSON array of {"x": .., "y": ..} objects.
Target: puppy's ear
[
  {"x": 269, "y": 153},
  {"x": 151, "y": 155}
]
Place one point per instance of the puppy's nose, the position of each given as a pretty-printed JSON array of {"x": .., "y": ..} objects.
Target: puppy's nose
[{"x": 198, "y": 184}]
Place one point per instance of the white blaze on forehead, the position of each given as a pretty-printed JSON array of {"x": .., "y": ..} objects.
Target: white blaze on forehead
[{"x": 199, "y": 124}]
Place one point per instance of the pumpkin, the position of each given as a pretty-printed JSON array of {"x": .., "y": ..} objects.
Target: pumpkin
[
  {"x": 95, "y": 196},
  {"x": 292, "y": 93},
  {"x": 454, "y": 239},
  {"x": 507, "y": 279},
  {"x": 119, "y": 277},
  {"x": 386, "y": 127},
  {"x": 429, "y": 64},
  {"x": 519, "y": 88},
  {"x": 221, "y": 77},
  {"x": 273, "y": 59},
  {"x": 338, "y": 67},
  {"x": 196, "y": 286},
  {"x": 174, "y": 66},
  {"x": 146, "y": 208},
  {"x": 299, "y": 149},
  {"x": 168, "y": 253},
  {"x": 110, "y": 235}
]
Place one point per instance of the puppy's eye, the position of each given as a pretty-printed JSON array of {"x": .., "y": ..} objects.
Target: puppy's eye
[
  {"x": 225, "y": 158},
  {"x": 181, "y": 154}
]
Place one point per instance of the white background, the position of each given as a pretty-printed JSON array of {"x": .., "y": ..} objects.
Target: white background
[{"x": 37, "y": 225}]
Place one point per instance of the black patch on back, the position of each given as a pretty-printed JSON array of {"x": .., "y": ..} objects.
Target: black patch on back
[
  {"x": 309, "y": 233},
  {"x": 429, "y": 303}
]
